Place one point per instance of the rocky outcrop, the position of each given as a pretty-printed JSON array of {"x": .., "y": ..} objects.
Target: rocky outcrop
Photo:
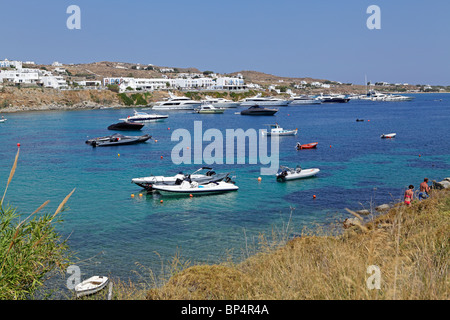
[{"x": 444, "y": 184}]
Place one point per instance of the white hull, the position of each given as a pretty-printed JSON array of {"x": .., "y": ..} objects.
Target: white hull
[
  {"x": 2, "y": 120},
  {"x": 176, "y": 107},
  {"x": 304, "y": 173},
  {"x": 226, "y": 104},
  {"x": 280, "y": 133},
  {"x": 91, "y": 285},
  {"x": 195, "y": 188},
  {"x": 264, "y": 103},
  {"x": 301, "y": 102},
  {"x": 388, "y": 136}
]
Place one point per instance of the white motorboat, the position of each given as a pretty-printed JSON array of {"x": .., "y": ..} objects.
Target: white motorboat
[
  {"x": 303, "y": 99},
  {"x": 145, "y": 117},
  {"x": 150, "y": 181},
  {"x": 91, "y": 286},
  {"x": 276, "y": 130},
  {"x": 388, "y": 136},
  {"x": 373, "y": 95},
  {"x": 397, "y": 97},
  {"x": 176, "y": 103},
  {"x": 3, "y": 120},
  {"x": 285, "y": 173},
  {"x": 221, "y": 102},
  {"x": 263, "y": 101},
  {"x": 194, "y": 187},
  {"x": 209, "y": 109}
]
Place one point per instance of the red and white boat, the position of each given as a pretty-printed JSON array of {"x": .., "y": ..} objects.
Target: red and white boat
[{"x": 388, "y": 136}]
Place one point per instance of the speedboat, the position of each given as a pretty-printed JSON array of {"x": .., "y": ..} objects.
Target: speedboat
[
  {"x": 263, "y": 101},
  {"x": 148, "y": 182},
  {"x": 286, "y": 173},
  {"x": 209, "y": 108},
  {"x": 145, "y": 117},
  {"x": 397, "y": 97},
  {"x": 126, "y": 126},
  {"x": 276, "y": 130},
  {"x": 221, "y": 102},
  {"x": 91, "y": 286},
  {"x": 117, "y": 139},
  {"x": 256, "y": 110},
  {"x": 311, "y": 145},
  {"x": 304, "y": 99},
  {"x": 176, "y": 103},
  {"x": 193, "y": 187},
  {"x": 333, "y": 98},
  {"x": 388, "y": 136}
]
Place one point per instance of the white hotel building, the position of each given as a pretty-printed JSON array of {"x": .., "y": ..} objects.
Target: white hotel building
[{"x": 220, "y": 83}]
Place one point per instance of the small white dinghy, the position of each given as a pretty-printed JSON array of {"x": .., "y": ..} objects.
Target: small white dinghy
[
  {"x": 285, "y": 173},
  {"x": 3, "y": 120},
  {"x": 388, "y": 136},
  {"x": 193, "y": 187},
  {"x": 91, "y": 285}
]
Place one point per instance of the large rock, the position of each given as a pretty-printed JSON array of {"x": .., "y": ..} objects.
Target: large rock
[
  {"x": 444, "y": 184},
  {"x": 383, "y": 207},
  {"x": 363, "y": 212}
]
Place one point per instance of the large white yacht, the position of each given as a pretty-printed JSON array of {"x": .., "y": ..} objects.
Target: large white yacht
[
  {"x": 176, "y": 103},
  {"x": 304, "y": 99},
  {"x": 263, "y": 101},
  {"x": 221, "y": 102},
  {"x": 378, "y": 96}
]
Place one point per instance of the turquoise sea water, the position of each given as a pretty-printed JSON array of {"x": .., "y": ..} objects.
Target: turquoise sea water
[{"x": 112, "y": 231}]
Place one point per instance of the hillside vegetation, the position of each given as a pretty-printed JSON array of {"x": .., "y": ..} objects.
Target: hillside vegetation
[{"x": 408, "y": 245}]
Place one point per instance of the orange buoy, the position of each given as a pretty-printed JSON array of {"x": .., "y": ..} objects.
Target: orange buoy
[
  {"x": 132, "y": 195},
  {"x": 314, "y": 196},
  {"x": 168, "y": 128},
  {"x": 156, "y": 140},
  {"x": 259, "y": 179},
  {"x": 161, "y": 157},
  {"x": 330, "y": 145},
  {"x": 191, "y": 195},
  {"x": 140, "y": 194},
  {"x": 18, "y": 145},
  {"x": 161, "y": 201}
]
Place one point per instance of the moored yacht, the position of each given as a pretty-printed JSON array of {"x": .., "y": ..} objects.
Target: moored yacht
[
  {"x": 303, "y": 99},
  {"x": 333, "y": 98},
  {"x": 220, "y": 102},
  {"x": 177, "y": 103},
  {"x": 263, "y": 101},
  {"x": 145, "y": 117}
]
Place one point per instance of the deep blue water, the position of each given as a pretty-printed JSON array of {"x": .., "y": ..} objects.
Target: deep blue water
[{"x": 114, "y": 231}]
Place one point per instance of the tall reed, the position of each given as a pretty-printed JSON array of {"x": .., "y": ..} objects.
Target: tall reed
[{"x": 30, "y": 249}]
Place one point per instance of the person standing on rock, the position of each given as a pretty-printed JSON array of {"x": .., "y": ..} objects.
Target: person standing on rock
[
  {"x": 424, "y": 189},
  {"x": 409, "y": 195}
]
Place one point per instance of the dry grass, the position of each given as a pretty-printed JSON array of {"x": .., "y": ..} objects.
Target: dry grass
[{"x": 409, "y": 245}]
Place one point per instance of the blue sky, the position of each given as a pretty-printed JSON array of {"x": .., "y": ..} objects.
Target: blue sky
[{"x": 322, "y": 39}]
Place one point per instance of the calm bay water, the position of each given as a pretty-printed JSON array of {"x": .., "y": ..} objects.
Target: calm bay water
[{"x": 114, "y": 231}]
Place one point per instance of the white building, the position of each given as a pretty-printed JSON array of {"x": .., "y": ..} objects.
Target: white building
[
  {"x": 57, "y": 64},
  {"x": 55, "y": 82},
  {"x": 21, "y": 76},
  {"x": 8, "y": 64},
  {"x": 89, "y": 83}
]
